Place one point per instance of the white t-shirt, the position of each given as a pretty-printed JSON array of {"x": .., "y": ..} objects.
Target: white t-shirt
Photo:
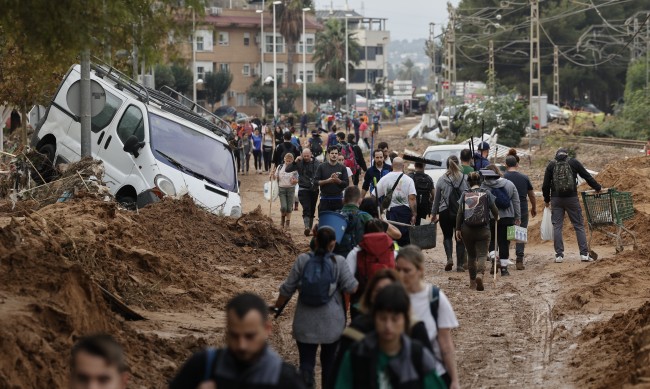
[
  {"x": 402, "y": 191},
  {"x": 420, "y": 304},
  {"x": 349, "y": 172}
]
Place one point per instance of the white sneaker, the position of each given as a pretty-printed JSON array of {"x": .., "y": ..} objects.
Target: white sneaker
[
  {"x": 492, "y": 255},
  {"x": 510, "y": 262},
  {"x": 586, "y": 258},
  {"x": 559, "y": 259}
]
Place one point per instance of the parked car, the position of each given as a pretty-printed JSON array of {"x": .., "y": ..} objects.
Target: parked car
[
  {"x": 152, "y": 145},
  {"x": 556, "y": 114},
  {"x": 440, "y": 153}
]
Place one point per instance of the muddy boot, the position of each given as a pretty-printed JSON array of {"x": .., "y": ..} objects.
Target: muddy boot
[
  {"x": 472, "y": 284},
  {"x": 449, "y": 265},
  {"x": 449, "y": 247},
  {"x": 287, "y": 224},
  {"x": 479, "y": 283},
  {"x": 520, "y": 265},
  {"x": 307, "y": 222}
]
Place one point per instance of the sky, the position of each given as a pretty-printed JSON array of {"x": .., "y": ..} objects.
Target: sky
[{"x": 407, "y": 19}]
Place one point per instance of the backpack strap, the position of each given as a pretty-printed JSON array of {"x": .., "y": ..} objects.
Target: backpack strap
[
  {"x": 434, "y": 303},
  {"x": 210, "y": 361},
  {"x": 417, "y": 356}
]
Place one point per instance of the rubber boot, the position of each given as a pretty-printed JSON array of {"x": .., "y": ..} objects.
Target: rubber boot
[
  {"x": 449, "y": 247},
  {"x": 307, "y": 221},
  {"x": 282, "y": 222},
  {"x": 308, "y": 378},
  {"x": 287, "y": 223},
  {"x": 460, "y": 256}
]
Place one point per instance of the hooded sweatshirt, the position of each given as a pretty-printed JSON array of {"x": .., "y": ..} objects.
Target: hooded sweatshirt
[
  {"x": 514, "y": 210},
  {"x": 443, "y": 190},
  {"x": 578, "y": 170}
]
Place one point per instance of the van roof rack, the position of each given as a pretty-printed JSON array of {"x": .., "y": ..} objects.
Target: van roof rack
[{"x": 168, "y": 99}]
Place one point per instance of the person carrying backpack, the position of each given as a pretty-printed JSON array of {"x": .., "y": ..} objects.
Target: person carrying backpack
[
  {"x": 449, "y": 189},
  {"x": 349, "y": 156},
  {"x": 506, "y": 199},
  {"x": 388, "y": 357},
  {"x": 316, "y": 145},
  {"x": 319, "y": 319},
  {"x": 473, "y": 227},
  {"x": 283, "y": 149},
  {"x": 560, "y": 191},
  {"x": 397, "y": 191},
  {"x": 356, "y": 221},
  {"x": 425, "y": 192}
]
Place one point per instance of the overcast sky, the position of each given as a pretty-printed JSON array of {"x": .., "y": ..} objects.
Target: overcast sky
[{"x": 407, "y": 19}]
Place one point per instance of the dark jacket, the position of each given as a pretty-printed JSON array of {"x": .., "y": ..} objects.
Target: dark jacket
[
  {"x": 282, "y": 149},
  {"x": 480, "y": 162},
  {"x": 306, "y": 173},
  {"x": 578, "y": 170},
  {"x": 373, "y": 172},
  {"x": 358, "y": 155},
  {"x": 268, "y": 372}
]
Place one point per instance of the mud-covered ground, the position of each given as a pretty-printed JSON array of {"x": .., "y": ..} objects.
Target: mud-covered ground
[{"x": 553, "y": 325}]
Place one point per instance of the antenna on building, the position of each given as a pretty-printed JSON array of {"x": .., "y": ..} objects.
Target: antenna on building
[{"x": 363, "y": 8}]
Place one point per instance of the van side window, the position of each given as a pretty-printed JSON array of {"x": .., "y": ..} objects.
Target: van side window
[
  {"x": 132, "y": 123},
  {"x": 105, "y": 117}
]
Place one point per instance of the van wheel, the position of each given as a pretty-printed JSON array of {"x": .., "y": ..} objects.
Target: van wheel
[
  {"x": 127, "y": 202},
  {"x": 46, "y": 167}
]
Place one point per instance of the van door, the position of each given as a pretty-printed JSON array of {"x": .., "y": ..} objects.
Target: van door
[{"x": 118, "y": 163}]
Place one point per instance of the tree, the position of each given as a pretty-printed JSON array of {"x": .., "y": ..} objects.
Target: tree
[
  {"x": 215, "y": 85},
  {"x": 327, "y": 90},
  {"x": 262, "y": 93},
  {"x": 289, "y": 18},
  {"x": 182, "y": 78},
  {"x": 164, "y": 76},
  {"x": 508, "y": 115},
  {"x": 329, "y": 52},
  {"x": 379, "y": 89}
]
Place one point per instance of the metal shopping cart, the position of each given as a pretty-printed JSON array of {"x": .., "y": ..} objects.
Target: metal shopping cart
[{"x": 609, "y": 208}]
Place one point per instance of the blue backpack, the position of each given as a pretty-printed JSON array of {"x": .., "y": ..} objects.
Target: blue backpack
[
  {"x": 502, "y": 200},
  {"x": 318, "y": 277}
]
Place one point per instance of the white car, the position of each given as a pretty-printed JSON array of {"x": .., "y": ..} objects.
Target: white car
[
  {"x": 440, "y": 153},
  {"x": 152, "y": 145},
  {"x": 444, "y": 120}
]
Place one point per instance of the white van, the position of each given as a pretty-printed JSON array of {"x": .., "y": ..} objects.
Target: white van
[
  {"x": 441, "y": 153},
  {"x": 152, "y": 143}
]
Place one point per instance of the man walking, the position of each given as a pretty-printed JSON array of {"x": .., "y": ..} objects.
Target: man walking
[
  {"x": 425, "y": 192},
  {"x": 402, "y": 208},
  {"x": 303, "y": 124},
  {"x": 481, "y": 160},
  {"x": 561, "y": 194},
  {"x": 306, "y": 166},
  {"x": 284, "y": 148},
  {"x": 333, "y": 179},
  {"x": 466, "y": 161},
  {"x": 375, "y": 173},
  {"x": 524, "y": 189},
  {"x": 247, "y": 361}
]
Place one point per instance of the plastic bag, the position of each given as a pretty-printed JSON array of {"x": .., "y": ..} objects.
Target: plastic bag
[
  {"x": 271, "y": 190},
  {"x": 547, "y": 224}
]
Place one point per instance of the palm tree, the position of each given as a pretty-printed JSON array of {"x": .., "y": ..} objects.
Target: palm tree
[
  {"x": 289, "y": 17},
  {"x": 329, "y": 52}
]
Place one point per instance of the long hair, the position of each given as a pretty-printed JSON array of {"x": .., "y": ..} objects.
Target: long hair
[
  {"x": 453, "y": 168},
  {"x": 324, "y": 236},
  {"x": 365, "y": 303}
]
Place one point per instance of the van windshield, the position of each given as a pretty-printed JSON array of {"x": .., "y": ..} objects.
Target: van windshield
[
  {"x": 192, "y": 152},
  {"x": 440, "y": 155}
]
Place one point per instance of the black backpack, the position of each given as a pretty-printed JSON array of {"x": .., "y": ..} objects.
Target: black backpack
[
  {"x": 423, "y": 187},
  {"x": 454, "y": 198},
  {"x": 316, "y": 146}
]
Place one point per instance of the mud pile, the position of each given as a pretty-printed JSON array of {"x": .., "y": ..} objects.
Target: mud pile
[
  {"x": 629, "y": 175},
  {"x": 170, "y": 255}
]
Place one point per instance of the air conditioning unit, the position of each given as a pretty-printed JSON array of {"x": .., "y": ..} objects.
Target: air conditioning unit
[{"x": 215, "y": 11}]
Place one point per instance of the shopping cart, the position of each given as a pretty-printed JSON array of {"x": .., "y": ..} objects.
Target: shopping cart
[{"x": 609, "y": 208}]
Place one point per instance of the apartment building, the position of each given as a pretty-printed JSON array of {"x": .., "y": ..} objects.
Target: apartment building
[
  {"x": 232, "y": 39},
  {"x": 372, "y": 36}
]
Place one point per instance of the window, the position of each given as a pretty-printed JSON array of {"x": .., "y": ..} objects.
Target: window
[
  {"x": 241, "y": 99},
  {"x": 246, "y": 69},
  {"x": 105, "y": 117},
  {"x": 223, "y": 39},
  {"x": 279, "y": 76},
  {"x": 309, "y": 45},
  {"x": 247, "y": 38},
  {"x": 131, "y": 123},
  {"x": 310, "y": 76},
  {"x": 224, "y": 67},
  {"x": 279, "y": 43},
  {"x": 200, "y": 72},
  {"x": 199, "y": 43}
]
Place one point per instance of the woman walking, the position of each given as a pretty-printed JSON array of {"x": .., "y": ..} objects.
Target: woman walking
[
  {"x": 257, "y": 151},
  {"x": 287, "y": 189},
  {"x": 268, "y": 145},
  {"x": 319, "y": 319},
  {"x": 473, "y": 227},
  {"x": 506, "y": 199},
  {"x": 445, "y": 207},
  {"x": 436, "y": 313}
]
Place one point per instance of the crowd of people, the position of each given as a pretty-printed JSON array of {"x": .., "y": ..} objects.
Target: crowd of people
[{"x": 364, "y": 305}]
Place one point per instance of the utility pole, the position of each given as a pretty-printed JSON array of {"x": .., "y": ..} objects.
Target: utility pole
[
  {"x": 535, "y": 80},
  {"x": 451, "y": 42},
  {"x": 491, "y": 74},
  {"x": 85, "y": 109},
  {"x": 556, "y": 76},
  {"x": 432, "y": 48}
]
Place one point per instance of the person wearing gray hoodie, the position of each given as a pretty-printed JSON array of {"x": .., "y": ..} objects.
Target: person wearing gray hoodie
[
  {"x": 509, "y": 205},
  {"x": 452, "y": 181}
]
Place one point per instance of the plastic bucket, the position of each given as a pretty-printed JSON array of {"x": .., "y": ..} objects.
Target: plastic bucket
[
  {"x": 335, "y": 220},
  {"x": 423, "y": 236}
]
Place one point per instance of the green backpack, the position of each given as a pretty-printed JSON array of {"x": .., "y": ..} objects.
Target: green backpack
[{"x": 564, "y": 182}]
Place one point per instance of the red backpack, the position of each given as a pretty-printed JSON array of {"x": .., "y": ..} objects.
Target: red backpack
[
  {"x": 377, "y": 252},
  {"x": 350, "y": 159}
]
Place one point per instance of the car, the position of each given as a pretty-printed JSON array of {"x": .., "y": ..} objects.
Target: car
[
  {"x": 556, "y": 114},
  {"x": 440, "y": 153},
  {"x": 151, "y": 143},
  {"x": 444, "y": 119}
]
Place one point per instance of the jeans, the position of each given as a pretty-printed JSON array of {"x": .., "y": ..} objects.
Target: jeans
[
  {"x": 447, "y": 226},
  {"x": 257, "y": 159},
  {"x": 286, "y": 198},
  {"x": 502, "y": 238},
  {"x": 330, "y": 205},
  {"x": 519, "y": 247},
  {"x": 307, "y": 356},
  {"x": 267, "y": 151},
  {"x": 238, "y": 160},
  {"x": 308, "y": 200},
  {"x": 476, "y": 240},
  {"x": 245, "y": 161},
  {"x": 401, "y": 214},
  {"x": 571, "y": 206}
]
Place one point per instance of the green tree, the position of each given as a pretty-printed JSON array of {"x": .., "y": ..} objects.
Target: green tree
[
  {"x": 508, "y": 115},
  {"x": 164, "y": 76},
  {"x": 262, "y": 93},
  {"x": 215, "y": 85},
  {"x": 182, "y": 78},
  {"x": 289, "y": 19},
  {"x": 329, "y": 52}
]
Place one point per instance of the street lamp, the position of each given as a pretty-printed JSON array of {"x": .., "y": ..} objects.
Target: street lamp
[
  {"x": 347, "y": 66},
  {"x": 304, "y": 61},
  {"x": 262, "y": 43},
  {"x": 193, "y": 56},
  {"x": 275, "y": 64}
]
